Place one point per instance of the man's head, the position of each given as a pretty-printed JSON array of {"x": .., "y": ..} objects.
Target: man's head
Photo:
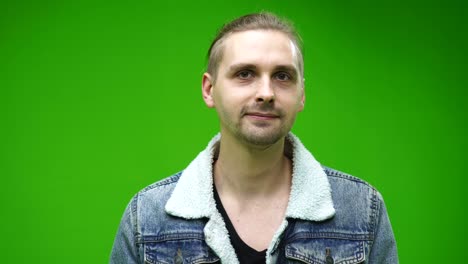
[
  {"x": 258, "y": 88},
  {"x": 256, "y": 21}
]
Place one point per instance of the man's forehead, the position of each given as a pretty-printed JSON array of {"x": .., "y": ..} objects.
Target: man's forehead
[{"x": 259, "y": 45}]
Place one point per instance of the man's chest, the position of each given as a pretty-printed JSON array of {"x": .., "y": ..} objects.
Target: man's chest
[{"x": 257, "y": 226}]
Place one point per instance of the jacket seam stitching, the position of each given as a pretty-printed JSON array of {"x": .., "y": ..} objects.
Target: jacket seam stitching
[
  {"x": 162, "y": 183},
  {"x": 134, "y": 217},
  {"x": 338, "y": 174},
  {"x": 331, "y": 235},
  {"x": 375, "y": 209}
]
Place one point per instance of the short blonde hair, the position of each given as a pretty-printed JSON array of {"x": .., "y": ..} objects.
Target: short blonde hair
[{"x": 255, "y": 21}]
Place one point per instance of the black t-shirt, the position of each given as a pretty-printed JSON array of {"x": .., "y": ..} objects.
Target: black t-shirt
[{"x": 244, "y": 252}]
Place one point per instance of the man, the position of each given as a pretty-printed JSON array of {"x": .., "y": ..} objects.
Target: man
[{"x": 255, "y": 194}]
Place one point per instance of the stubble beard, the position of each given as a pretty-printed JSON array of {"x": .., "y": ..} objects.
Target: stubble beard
[{"x": 261, "y": 133}]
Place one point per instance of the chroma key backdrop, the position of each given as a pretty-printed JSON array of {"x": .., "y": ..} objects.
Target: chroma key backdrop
[{"x": 100, "y": 98}]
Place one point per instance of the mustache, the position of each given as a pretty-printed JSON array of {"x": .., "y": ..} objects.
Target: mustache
[{"x": 262, "y": 108}]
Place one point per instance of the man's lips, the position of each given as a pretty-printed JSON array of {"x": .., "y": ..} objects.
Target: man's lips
[{"x": 262, "y": 116}]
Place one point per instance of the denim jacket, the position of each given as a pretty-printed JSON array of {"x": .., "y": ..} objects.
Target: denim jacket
[{"x": 331, "y": 217}]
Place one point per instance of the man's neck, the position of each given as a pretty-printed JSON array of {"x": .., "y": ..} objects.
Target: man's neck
[{"x": 246, "y": 171}]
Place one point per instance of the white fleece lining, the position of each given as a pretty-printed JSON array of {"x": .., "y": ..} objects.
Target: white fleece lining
[{"x": 192, "y": 198}]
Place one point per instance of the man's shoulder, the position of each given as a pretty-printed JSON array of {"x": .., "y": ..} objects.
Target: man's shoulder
[
  {"x": 339, "y": 177},
  {"x": 157, "y": 192},
  {"x": 167, "y": 182},
  {"x": 346, "y": 187}
]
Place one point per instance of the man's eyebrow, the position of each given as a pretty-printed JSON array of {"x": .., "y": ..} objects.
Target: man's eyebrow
[
  {"x": 240, "y": 66},
  {"x": 287, "y": 68}
]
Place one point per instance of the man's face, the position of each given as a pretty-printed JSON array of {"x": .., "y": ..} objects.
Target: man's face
[{"x": 258, "y": 90}]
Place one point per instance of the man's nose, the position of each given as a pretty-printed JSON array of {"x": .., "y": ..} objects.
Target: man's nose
[{"x": 265, "y": 91}]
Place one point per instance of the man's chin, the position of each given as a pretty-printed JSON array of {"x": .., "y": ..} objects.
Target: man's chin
[{"x": 263, "y": 138}]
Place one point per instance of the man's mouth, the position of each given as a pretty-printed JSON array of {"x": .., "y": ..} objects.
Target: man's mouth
[{"x": 262, "y": 115}]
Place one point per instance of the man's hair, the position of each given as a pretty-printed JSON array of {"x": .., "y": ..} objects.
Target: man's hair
[{"x": 255, "y": 21}]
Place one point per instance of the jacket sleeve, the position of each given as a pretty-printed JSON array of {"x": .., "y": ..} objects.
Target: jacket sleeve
[
  {"x": 383, "y": 250},
  {"x": 125, "y": 249}
]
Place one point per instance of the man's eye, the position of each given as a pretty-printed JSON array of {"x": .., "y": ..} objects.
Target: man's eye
[
  {"x": 282, "y": 76},
  {"x": 245, "y": 74}
]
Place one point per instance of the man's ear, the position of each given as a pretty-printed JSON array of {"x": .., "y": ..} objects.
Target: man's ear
[{"x": 207, "y": 90}]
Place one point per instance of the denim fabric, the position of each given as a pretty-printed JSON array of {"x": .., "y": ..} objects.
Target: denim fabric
[{"x": 359, "y": 232}]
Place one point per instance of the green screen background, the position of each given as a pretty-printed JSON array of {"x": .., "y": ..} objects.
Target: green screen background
[{"x": 101, "y": 98}]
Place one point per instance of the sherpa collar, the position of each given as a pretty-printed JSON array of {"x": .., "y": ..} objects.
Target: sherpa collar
[{"x": 310, "y": 197}]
